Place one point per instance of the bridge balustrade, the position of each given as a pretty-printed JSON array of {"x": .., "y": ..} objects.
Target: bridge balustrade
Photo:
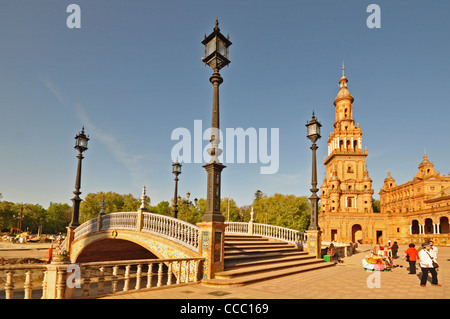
[
  {"x": 174, "y": 229},
  {"x": 171, "y": 228},
  {"x": 96, "y": 279},
  {"x": 270, "y": 231}
]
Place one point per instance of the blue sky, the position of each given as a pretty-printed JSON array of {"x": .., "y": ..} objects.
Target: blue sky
[{"x": 133, "y": 73}]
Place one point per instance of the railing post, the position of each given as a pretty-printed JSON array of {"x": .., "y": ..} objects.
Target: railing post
[
  {"x": 140, "y": 218},
  {"x": 9, "y": 286},
  {"x": 250, "y": 223},
  {"x": 314, "y": 239}
]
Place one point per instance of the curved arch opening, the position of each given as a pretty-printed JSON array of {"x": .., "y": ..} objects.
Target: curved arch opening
[
  {"x": 110, "y": 249},
  {"x": 357, "y": 235}
]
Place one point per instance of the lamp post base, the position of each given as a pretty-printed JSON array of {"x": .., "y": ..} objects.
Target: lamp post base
[
  {"x": 315, "y": 243},
  {"x": 212, "y": 247}
]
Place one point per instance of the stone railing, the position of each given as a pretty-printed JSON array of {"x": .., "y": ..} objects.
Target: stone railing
[
  {"x": 270, "y": 231},
  {"x": 96, "y": 279},
  {"x": 22, "y": 281},
  {"x": 171, "y": 228},
  {"x": 237, "y": 228},
  {"x": 174, "y": 229}
]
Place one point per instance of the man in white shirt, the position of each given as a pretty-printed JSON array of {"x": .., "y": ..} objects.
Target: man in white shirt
[
  {"x": 426, "y": 263},
  {"x": 433, "y": 251}
]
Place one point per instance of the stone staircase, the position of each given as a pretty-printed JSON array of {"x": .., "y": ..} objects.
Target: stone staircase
[{"x": 250, "y": 259}]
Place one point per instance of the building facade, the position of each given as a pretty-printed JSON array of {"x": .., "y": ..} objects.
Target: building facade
[
  {"x": 415, "y": 211},
  {"x": 419, "y": 209}
]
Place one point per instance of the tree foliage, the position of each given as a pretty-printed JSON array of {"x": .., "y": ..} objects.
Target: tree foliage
[
  {"x": 282, "y": 210},
  {"x": 90, "y": 207}
]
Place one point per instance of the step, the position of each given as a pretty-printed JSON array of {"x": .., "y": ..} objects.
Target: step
[
  {"x": 254, "y": 242},
  {"x": 252, "y": 278},
  {"x": 263, "y": 255},
  {"x": 260, "y": 268},
  {"x": 257, "y": 246},
  {"x": 235, "y": 252},
  {"x": 244, "y": 237},
  {"x": 238, "y": 263}
]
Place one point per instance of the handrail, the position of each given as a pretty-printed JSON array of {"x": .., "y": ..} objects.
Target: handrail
[
  {"x": 75, "y": 280},
  {"x": 174, "y": 229},
  {"x": 271, "y": 231},
  {"x": 179, "y": 231}
]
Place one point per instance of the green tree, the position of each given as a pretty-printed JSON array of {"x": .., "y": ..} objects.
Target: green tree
[
  {"x": 33, "y": 217},
  {"x": 91, "y": 205},
  {"x": 282, "y": 210},
  {"x": 234, "y": 209},
  {"x": 57, "y": 218},
  {"x": 163, "y": 208},
  {"x": 7, "y": 212}
]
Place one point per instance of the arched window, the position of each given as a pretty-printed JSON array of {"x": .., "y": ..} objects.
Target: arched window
[
  {"x": 429, "y": 226},
  {"x": 415, "y": 227},
  {"x": 443, "y": 225}
]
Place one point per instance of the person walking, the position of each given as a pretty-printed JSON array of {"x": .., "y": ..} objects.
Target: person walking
[
  {"x": 411, "y": 256},
  {"x": 433, "y": 251},
  {"x": 394, "y": 250},
  {"x": 426, "y": 263}
]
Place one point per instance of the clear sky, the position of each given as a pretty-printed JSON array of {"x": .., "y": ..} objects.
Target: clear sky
[{"x": 132, "y": 74}]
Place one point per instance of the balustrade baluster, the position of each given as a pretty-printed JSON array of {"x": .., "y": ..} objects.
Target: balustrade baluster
[
  {"x": 149, "y": 275},
  {"x": 114, "y": 279},
  {"x": 101, "y": 280},
  {"x": 197, "y": 264},
  {"x": 126, "y": 278},
  {"x": 160, "y": 275},
  {"x": 169, "y": 274},
  {"x": 188, "y": 270},
  {"x": 28, "y": 286},
  {"x": 138, "y": 276},
  {"x": 60, "y": 282},
  {"x": 9, "y": 285},
  {"x": 86, "y": 281},
  {"x": 44, "y": 285},
  {"x": 178, "y": 272}
]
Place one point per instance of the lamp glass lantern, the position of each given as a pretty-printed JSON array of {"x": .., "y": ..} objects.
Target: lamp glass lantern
[
  {"x": 81, "y": 141},
  {"x": 216, "y": 49},
  {"x": 176, "y": 168},
  {"x": 313, "y": 129}
]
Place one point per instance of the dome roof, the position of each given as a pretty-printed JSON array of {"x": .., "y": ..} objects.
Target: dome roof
[{"x": 343, "y": 93}]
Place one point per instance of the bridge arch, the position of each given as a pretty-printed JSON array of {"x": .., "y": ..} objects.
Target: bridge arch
[
  {"x": 113, "y": 249},
  {"x": 131, "y": 235}
]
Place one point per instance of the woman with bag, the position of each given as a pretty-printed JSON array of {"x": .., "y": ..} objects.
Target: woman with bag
[
  {"x": 428, "y": 266},
  {"x": 411, "y": 256}
]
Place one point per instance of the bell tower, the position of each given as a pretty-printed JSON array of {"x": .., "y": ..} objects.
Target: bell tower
[{"x": 346, "y": 190}]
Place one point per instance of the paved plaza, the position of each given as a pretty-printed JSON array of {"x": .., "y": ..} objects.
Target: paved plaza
[{"x": 345, "y": 281}]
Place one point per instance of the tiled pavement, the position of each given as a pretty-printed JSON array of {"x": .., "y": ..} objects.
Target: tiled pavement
[{"x": 344, "y": 281}]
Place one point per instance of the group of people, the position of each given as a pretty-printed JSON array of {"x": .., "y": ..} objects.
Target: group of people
[{"x": 427, "y": 257}]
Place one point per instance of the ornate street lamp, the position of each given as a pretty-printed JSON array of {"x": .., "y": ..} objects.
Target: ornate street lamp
[
  {"x": 176, "y": 170},
  {"x": 81, "y": 143},
  {"x": 313, "y": 128},
  {"x": 216, "y": 56}
]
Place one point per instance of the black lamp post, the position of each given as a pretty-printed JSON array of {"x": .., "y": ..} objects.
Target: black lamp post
[
  {"x": 81, "y": 143},
  {"x": 313, "y": 128},
  {"x": 216, "y": 56},
  {"x": 176, "y": 170}
]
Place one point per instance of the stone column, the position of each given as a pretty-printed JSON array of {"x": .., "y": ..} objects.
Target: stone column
[
  {"x": 56, "y": 276},
  {"x": 314, "y": 243},
  {"x": 212, "y": 247}
]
